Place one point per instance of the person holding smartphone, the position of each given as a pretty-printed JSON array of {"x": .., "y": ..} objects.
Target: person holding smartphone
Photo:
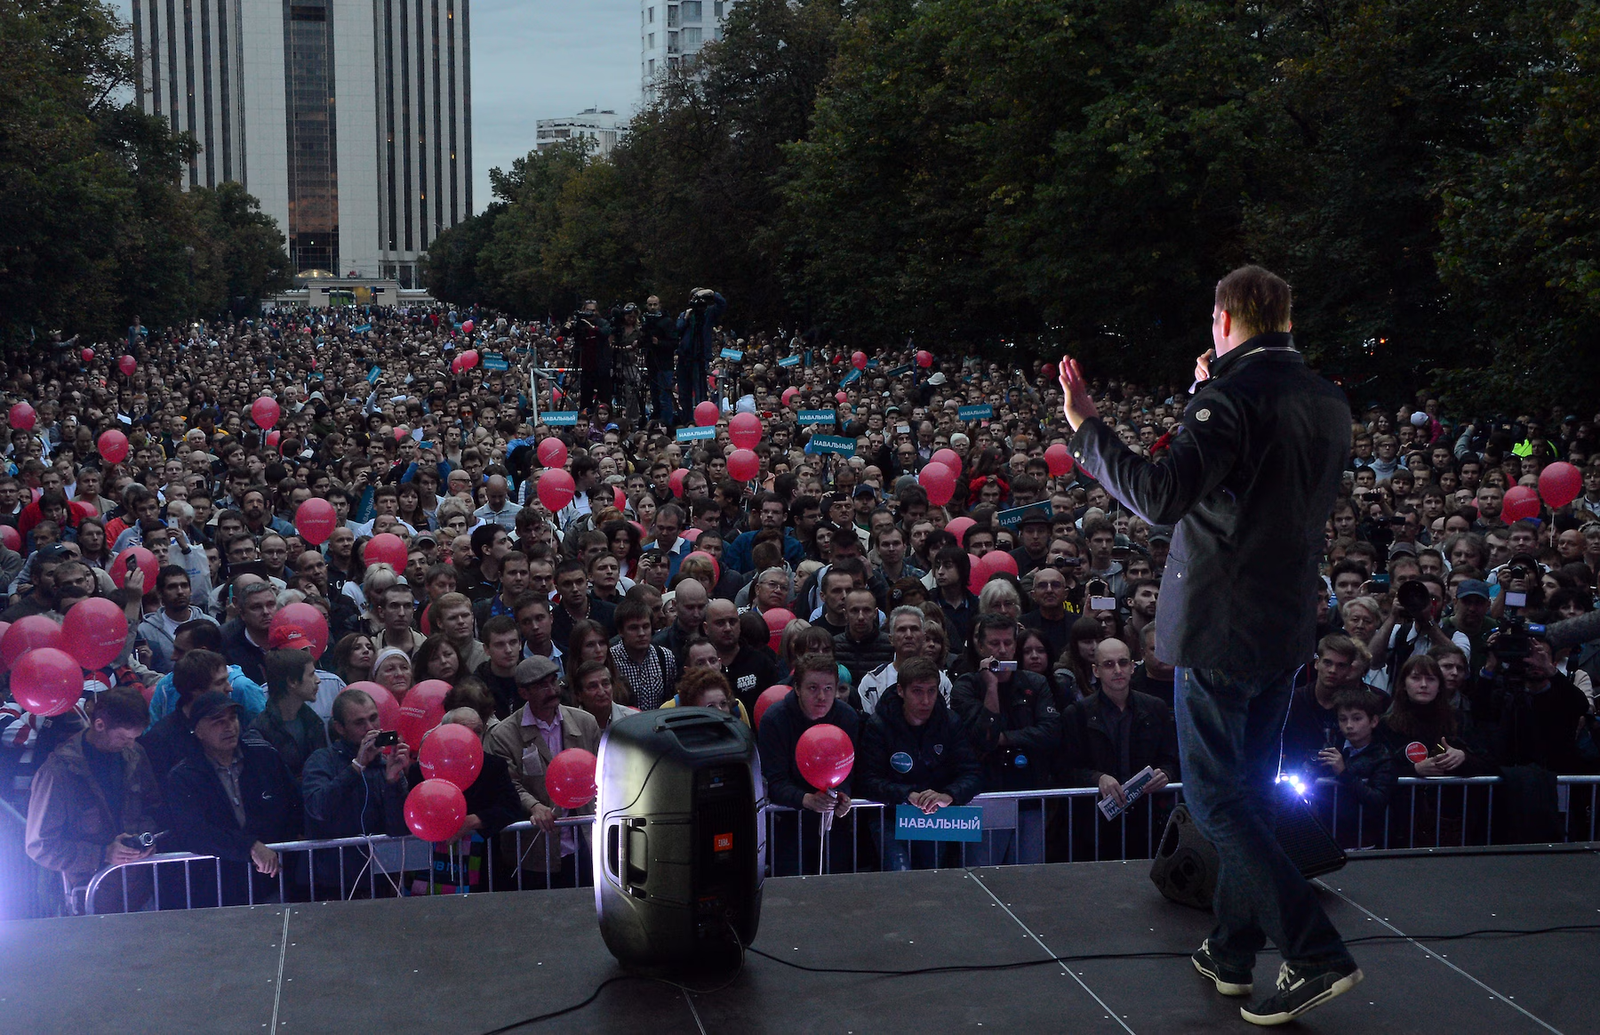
[{"x": 354, "y": 787}]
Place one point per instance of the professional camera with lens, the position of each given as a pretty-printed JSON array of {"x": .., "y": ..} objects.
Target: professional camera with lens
[
  {"x": 1512, "y": 645},
  {"x": 1413, "y": 595}
]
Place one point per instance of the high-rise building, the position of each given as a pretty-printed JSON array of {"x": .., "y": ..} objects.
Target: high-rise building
[
  {"x": 671, "y": 33},
  {"x": 600, "y": 126},
  {"x": 350, "y": 120}
]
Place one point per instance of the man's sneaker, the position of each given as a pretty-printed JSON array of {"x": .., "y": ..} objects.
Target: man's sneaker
[
  {"x": 1229, "y": 980},
  {"x": 1299, "y": 990}
]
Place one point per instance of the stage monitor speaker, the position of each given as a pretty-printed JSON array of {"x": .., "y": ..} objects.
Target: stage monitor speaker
[
  {"x": 1185, "y": 866},
  {"x": 678, "y": 851}
]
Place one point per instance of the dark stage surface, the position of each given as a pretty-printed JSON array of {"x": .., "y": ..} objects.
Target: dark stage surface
[{"x": 467, "y": 964}]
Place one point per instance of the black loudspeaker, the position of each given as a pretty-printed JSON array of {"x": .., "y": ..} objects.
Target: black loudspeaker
[
  {"x": 1185, "y": 866},
  {"x": 678, "y": 852}
]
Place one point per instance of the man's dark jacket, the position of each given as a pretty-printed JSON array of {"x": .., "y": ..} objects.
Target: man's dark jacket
[
  {"x": 898, "y": 759},
  {"x": 778, "y": 734},
  {"x": 203, "y": 821},
  {"x": 169, "y": 742},
  {"x": 860, "y": 657},
  {"x": 238, "y": 649},
  {"x": 1030, "y": 721},
  {"x": 1249, "y": 479},
  {"x": 1088, "y": 749}
]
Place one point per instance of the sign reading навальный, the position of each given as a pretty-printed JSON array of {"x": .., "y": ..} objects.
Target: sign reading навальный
[
  {"x": 691, "y": 434},
  {"x": 951, "y": 823},
  {"x": 982, "y": 411},
  {"x": 815, "y": 417},
  {"x": 559, "y": 418}
]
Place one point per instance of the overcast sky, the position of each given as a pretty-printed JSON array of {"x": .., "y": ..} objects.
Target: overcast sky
[{"x": 539, "y": 59}]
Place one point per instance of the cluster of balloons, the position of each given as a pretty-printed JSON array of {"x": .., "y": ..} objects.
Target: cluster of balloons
[
  {"x": 464, "y": 362},
  {"x": 987, "y": 567},
  {"x": 1559, "y": 485},
  {"x": 46, "y": 660}
]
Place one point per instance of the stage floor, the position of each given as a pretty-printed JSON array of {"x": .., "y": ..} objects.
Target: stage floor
[{"x": 473, "y": 963}]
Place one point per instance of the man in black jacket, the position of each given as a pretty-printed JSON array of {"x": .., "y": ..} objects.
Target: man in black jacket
[
  {"x": 659, "y": 334},
  {"x": 172, "y": 740},
  {"x": 231, "y": 803},
  {"x": 914, "y": 752},
  {"x": 1249, "y": 478},
  {"x": 353, "y": 789},
  {"x": 813, "y": 701}
]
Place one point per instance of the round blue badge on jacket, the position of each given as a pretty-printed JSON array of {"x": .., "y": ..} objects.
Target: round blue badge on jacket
[
  {"x": 900, "y": 762},
  {"x": 1021, "y": 761}
]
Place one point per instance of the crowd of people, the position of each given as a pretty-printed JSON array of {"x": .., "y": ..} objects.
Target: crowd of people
[{"x": 224, "y": 730}]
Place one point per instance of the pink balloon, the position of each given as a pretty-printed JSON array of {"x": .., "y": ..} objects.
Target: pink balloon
[
  {"x": 949, "y": 457},
  {"x": 570, "y": 778},
  {"x": 556, "y": 489},
  {"x": 273, "y": 438},
  {"x": 467, "y": 326},
  {"x": 706, "y": 414},
  {"x": 675, "y": 481},
  {"x": 435, "y": 810},
  {"x": 422, "y": 710},
  {"x": 386, "y": 548},
  {"x": 453, "y": 754},
  {"x": 924, "y": 358},
  {"x": 31, "y": 632},
  {"x": 552, "y": 452},
  {"x": 958, "y": 526},
  {"x": 315, "y": 520},
  {"x": 789, "y": 393},
  {"x": 619, "y": 499},
  {"x": 143, "y": 558},
  {"x": 400, "y": 433},
  {"x": 692, "y": 534},
  {"x": 265, "y": 412},
  {"x": 309, "y": 620},
  {"x": 777, "y": 619},
  {"x": 997, "y": 561},
  {"x": 976, "y": 575},
  {"x": 469, "y": 359},
  {"x": 11, "y": 537},
  {"x": 1559, "y": 484},
  {"x": 939, "y": 482},
  {"x": 716, "y": 569},
  {"x": 94, "y": 632},
  {"x": 127, "y": 364},
  {"x": 47, "y": 681},
  {"x": 23, "y": 416},
  {"x": 858, "y": 360},
  {"x": 744, "y": 430},
  {"x": 840, "y": 397},
  {"x": 388, "y": 707},
  {"x": 824, "y": 756},
  {"x": 87, "y": 355},
  {"x": 1059, "y": 458},
  {"x": 769, "y": 697},
  {"x": 743, "y": 465},
  {"x": 1521, "y": 501},
  {"x": 112, "y": 446}
]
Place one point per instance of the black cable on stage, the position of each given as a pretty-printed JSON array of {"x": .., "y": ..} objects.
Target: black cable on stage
[{"x": 1482, "y": 932}]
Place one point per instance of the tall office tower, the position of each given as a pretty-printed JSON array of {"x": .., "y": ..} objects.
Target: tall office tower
[
  {"x": 351, "y": 120},
  {"x": 671, "y": 33}
]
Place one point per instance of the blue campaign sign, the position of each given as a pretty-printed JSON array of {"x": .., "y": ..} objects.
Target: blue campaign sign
[
  {"x": 816, "y": 417},
  {"x": 897, "y": 371},
  {"x": 364, "y": 328},
  {"x": 691, "y": 434},
  {"x": 373, "y": 375},
  {"x": 733, "y": 354},
  {"x": 850, "y": 378},
  {"x": 1013, "y": 517},
  {"x": 952, "y": 823},
  {"x": 841, "y": 444},
  {"x": 981, "y": 412},
  {"x": 559, "y": 418},
  {"x": 789, "y": 361},
  {"x": 495, "y": 363}
]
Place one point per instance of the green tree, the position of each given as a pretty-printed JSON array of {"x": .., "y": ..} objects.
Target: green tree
[{"x": 450, "y": 271}]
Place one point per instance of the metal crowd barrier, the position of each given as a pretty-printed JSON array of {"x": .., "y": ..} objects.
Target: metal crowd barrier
[{"x": 1019, "y": 827}]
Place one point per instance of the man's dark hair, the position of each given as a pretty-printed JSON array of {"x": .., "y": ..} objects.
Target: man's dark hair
[
  {"x": 1347, "y": 567},
  {"x": 1257, "y": 299},
  {"x": 1133, "y": 588},
  {"x": 800, "y": 504},
  {"x": 169, "y": 571},
  {"x": 567, "y": 567},
  {"x": 483, "y": 538},
  {"x": 281, "y": 666},
  {"x": 499, "y": 625},
  {"x": 203, "y": 634},
  {"x": 345, "y": 700},
  {"x": 583, "y": 465},
  {"x": 957, "y": 556},
  {"x": 529, "y": 598},
  {"x": 1358, "y": 698},
  {"x": 191, "y": 676},
  {"x": 630, "y": 610},
  {"x": 917, "y": 670},
  {"x": 122, "y": 708},
  {"x": 1096, "y": 525}
]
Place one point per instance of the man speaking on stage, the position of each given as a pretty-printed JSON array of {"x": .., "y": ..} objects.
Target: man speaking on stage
[{"x": 1249, "y": 479}]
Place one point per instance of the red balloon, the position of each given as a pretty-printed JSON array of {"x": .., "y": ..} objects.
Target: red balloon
[
  {"x": 997, "y": 561},
  {"x": 11, "y": 537},
  {"x": 386, "y": 548},
  {"x": 743, "y": 465},
  {"x": 1559, "y": 484},
  {"x": 274, "y": 437},
  {"x": 675, "y": 481},
  {"x": 469, "y": 358},
  {"x": 23, "y": 416},
  {"x": 388, "y": 707},
  {"x": 1059, "y": 458},
  {"x": 939, "y": 482},
  {"x": 47, "y": 681},
  {"x": 824, "y": 756},
  {"x": 265, "y": 412},
  {"x": 769, "y": 697},
  {"x": 94, "y": 632},
  {"x": 716, "y": 569},
  {"x": 744, "y": 430},
  {"x": 619, "y": 499},
  {"x": 556, "y": 489},
  {"x": 706, "y": 414},
  {"x": 949, "y": 457},
  {"x": 399, "y": 433},
  {"x": 858, "y": 360},
  {"x": 552, "y": 452},
  {"x": 87, "y": 355},
  {"x": 778, "y": 619},
  {"x": 467, "y": 326},
  {"x": 1521, "y": 501},
  {"x": 457, "y": 365},
  {"x": 309, "y": 620},
  {"x": 113, "y": 446},
  {"x": 958, "y": 526},
  {"x": 81, "y": 510},
  {"x": 421, "y": 710},
  {"x": 976, "y": 575},
  {"x": 451, "y": 753},
  {"x": 25, "y": 634},
  {"x": 315, "y": 520},
  {"x": 570, "y": 778},
  {"x": 924, "y": 358},
  {"x": 435, "y": 810},
  {"x": 789, "y": 393},
  {"x": 127, "y": 364},
  {"x": 840, "y": 397},
  {"x": 147, "y": 563}
]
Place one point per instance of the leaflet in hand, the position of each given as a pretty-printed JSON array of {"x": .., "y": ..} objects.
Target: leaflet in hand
[{"x": 1133, "y": 790}]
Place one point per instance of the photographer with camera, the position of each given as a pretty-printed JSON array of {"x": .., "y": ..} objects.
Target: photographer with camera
[
  {"x": 696, "y": 341},
  {"x": 1413, "y": 626},
  {"x": 591, "y": 335},
  {"x": 1534, "y": 708},
  {"x": 659, "y": 336},
  {"x": 351, "y": 788}
]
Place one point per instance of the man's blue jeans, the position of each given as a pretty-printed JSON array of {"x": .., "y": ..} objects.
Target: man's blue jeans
[
  {"x": 1230, "y": 732},
  {"x": 661, "y": 393},
  {"x": 691, "y": 382}
]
